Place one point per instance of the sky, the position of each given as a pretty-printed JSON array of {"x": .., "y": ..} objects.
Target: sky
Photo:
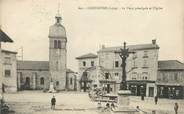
[{"x": 92, "y": 23}]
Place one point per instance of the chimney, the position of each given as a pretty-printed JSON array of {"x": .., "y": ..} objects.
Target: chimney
[{"x": 154, "y": 41}]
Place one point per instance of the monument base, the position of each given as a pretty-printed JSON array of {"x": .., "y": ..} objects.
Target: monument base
[
  {"x": 124, "y": 103},
  {"x": 123, "y": 97},
  {"x": 51, "y": 88}
]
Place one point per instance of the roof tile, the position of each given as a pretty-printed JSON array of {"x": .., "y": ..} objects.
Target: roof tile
[
  {"x": 170, "y": 65},
  {"x": 89, "y": 55},
  {"x": 4, "y": 37},
  {"x": 131, "y": 47},
  {"x": 35, "y": 65}
]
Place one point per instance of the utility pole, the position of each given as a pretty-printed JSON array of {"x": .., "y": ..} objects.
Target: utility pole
[{"x": 22, "y": 52}]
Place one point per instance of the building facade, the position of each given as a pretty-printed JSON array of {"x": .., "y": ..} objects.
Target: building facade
[
  {"x": 7, "y": 66},
  {"x": 35, "y": 75},
  {"x": 170, "y": 80},
  {"x": 87, "y": 71},
  {"x": 57, "y": 54},
  {"x": 9, "y": 79},
  {"x": 39, "y": 75},
  {"x": 141, "y": 68}
]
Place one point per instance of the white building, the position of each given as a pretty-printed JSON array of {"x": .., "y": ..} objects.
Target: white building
[
  {"x": 141, "y": 68},
  {"x": 9, "y": 71},
  {"x": 7, "y": 66},
  {"x": 87, "y": 68}
]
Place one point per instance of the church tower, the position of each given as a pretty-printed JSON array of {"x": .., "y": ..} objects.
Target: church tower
[{"x": 57, "y": 54}]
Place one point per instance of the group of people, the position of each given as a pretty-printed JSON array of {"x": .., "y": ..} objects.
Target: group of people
[
  {"x": 108, "y": 106},
  {"x": 156, "y": 98},
  {"x": 175, "y": 105},
  {"x": 112, "y": 106}
]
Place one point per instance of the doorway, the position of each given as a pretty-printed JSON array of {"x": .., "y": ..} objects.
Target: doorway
[
  {"x": 151, "y": 91},
  {"x": 27, "y": 83}
]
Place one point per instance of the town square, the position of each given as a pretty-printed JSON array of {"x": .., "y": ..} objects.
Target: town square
[
  {"x": 76, "y": 57},
  {"x": 37, "y": 102}
]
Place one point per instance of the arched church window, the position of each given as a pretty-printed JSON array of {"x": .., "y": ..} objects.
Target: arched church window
[
  {"x": 28, "y": 80},
  {"x": 41, "y": 81},
  {"x": 59, "y": 44},
  {"x": 55, "y": 44}
]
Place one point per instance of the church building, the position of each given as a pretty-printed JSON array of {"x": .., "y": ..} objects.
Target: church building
[
  {"x": 57, "y": 54},
  {"x": 36, "y": 75}
]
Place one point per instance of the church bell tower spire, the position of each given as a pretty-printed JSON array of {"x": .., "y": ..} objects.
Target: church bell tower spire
[
  {"x": 58, "y": 15},
  {"x": 58, "y": 53}
]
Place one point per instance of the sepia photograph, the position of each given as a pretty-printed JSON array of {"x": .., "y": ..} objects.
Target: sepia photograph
[{"x": 91, "y": 57}]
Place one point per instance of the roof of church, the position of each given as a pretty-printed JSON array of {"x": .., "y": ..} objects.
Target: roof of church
[
  {"x": 131, "y": 47},
  {"x": 57, "y": 30},
  {"x": 7, "y": 51},
  {"x": 35, "y": 65},
  {"x": 4, "y": 37},
  {"x": 170, "y": 65},
  {"x": 89, "y": 55}
]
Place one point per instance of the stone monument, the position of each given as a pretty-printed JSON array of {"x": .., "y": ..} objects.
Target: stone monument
[
  {"x": 123, "y": 94},
  {"x": 51, "y": 87}
]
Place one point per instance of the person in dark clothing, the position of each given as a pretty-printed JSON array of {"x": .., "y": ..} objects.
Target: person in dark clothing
[
  {"x": 156, "y": 99},
  {"x": 176, "y": 108},
  {"x": 112, "y": 106},
  {"x": 107, "y": 108},
  {"x": 107, "y": 105},
  {"x": 142, "y": 97},
  {"x": 53, "y": 102},
  {"x": 99, "y": 105},
  {"x": 137, "y": 108}
]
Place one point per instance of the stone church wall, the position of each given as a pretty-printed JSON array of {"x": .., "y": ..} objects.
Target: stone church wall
[
  {"x": 71, "y": 82},
  {"x": 35, "y": 79}
]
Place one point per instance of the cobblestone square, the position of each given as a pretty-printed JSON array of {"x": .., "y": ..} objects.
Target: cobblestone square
[{"x": 37, "y": 102}]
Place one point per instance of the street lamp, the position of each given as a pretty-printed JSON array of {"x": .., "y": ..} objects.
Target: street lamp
[{"x": 124, "y": 54}]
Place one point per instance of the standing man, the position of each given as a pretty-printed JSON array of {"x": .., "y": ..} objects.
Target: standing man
[
  {"x": 156, "y": 99},
  {"x": 176, "y": 108},
  {"x": 142, "y": 97},
  {"x": 53, "y": 102}
]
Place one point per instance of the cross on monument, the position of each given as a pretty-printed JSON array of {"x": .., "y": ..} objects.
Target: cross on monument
[{"x": 124, "y": 54}]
